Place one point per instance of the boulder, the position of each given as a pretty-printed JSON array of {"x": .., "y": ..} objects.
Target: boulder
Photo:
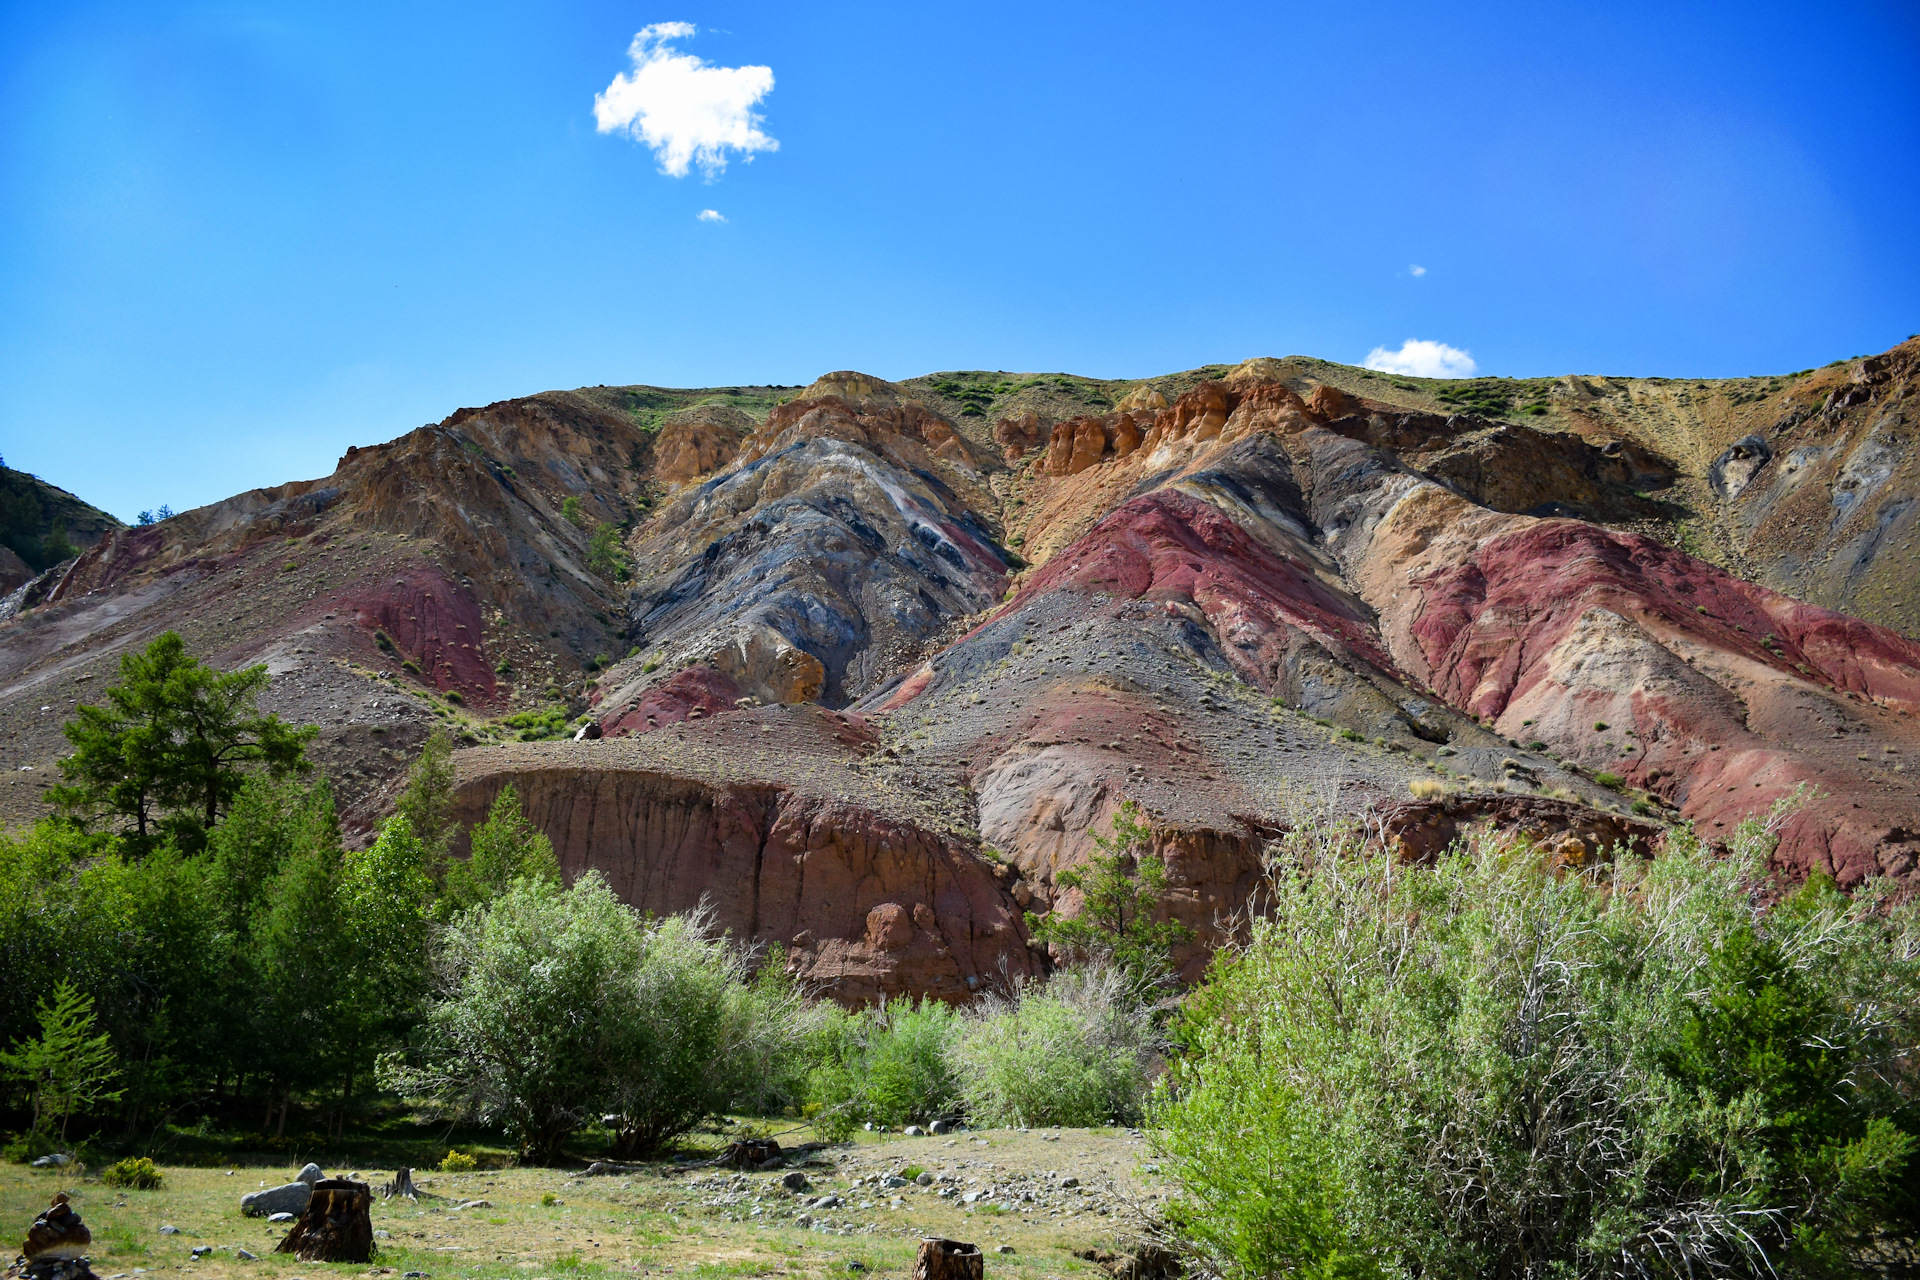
[
  {"x": 311, "y": 1174},
  {"x": 290, "y": 1197}
]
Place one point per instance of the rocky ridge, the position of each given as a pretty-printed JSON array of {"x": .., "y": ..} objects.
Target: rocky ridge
[{"x": 892, "y": 653}]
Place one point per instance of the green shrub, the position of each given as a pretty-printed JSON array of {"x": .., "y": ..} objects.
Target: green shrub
[
  {"x": 409, "y": 664},
  {"x": 455, "y": 697},
  {"x": 650, "y": 666},
  {"x": 1072, "y": 1052},
  {"x": 884, "y": 1066},
  {"x": 535, "y": 726},
  {"x": 1611, "y": 781},
  {"x": 1485, "y": 1070},
  {"x": 458, "y": 1162},
  {"x": 1599, "y": 726},
  {"x": 137, "y": 1172},
  {"x": 560, "y": 1004}
]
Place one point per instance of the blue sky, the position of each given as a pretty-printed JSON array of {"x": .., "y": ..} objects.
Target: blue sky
[{"x": 235, "y": 238}]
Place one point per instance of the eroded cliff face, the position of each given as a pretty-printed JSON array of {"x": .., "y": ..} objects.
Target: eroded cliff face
[{"x": 786, "y": 840}]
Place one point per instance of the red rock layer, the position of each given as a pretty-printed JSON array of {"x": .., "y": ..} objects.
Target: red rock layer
[{"x": 868, "y": 907}]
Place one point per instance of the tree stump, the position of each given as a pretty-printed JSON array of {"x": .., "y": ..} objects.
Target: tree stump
[
  {"x": 750, "y": 1153},
  {"x": 402, "y": 1185},
  {"x": 337, "y": 1226},
  {"x": 949, "y": 1260}
]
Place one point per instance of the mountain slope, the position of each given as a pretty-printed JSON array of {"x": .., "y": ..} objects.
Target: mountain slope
[{"x": 890, "y": 654}]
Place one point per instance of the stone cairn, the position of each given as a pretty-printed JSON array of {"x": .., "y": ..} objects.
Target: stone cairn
[{"x": 56, "y": 1247}]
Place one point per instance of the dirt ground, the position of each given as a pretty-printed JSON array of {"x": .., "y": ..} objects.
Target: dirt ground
[{"x": 1042, "y": 1195}]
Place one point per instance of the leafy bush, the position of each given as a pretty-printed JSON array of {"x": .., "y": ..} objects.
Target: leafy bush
[
  {"x": 1485, "y": 1070},
  {"x": 1072, "y": 1052},
  {"x": 558, "y": 1006},
  {"x": 458, "y": 1162},
  {"x": 137, "y": 1172},
  {"x": 1611, "y": 781},
  {"x": 607, "y": 554},
  {"x": 887, "y": 1066}
]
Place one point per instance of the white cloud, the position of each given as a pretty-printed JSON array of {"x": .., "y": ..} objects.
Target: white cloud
[
  {"x": 1418, "y": 358},
  {"x": 1416, "y": 270},
  {"x": 711, "y": 215},
  {"x": 687, "y": 111}
]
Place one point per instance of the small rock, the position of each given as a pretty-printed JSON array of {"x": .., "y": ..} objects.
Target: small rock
[
  {"x": 941, "y": 1126},
  {"x": 202, "y": 1250},
  {"x": 803, "y": 1220},
  {"x": 1069, "y": 1181},
  {"x": 925, "y": 1180},
  {"x": 57, "y": 1160},
  {"x": 828, "y": 1202},
  {"x": 794, "y": 1181},
  {"x": 169, "y": 1231},
  {"x": 1005, "y": 1248},
  {"x": 416, "y": 1275},
  {"x": 893, "y": 1180},
  {"x": 311, "y": 1174},
  {"x": 282, "y": 1217},
  {"x": 246, "y": 1255},
  {"x": 383, "y": 1235},
  {"x": 856, "y": 1265},
  {"x": 914, "y": 1131}
]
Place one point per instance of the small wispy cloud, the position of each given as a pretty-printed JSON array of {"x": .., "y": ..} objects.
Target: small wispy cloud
[
  {"x": 711, "y": 215},
  {"x": 687, "y": 111},
  {"x": 1418, "y": 358},
  {"x": 1416, "y": 270}
]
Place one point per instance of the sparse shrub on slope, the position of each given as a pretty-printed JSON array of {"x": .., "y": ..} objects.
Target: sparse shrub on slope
[
  {"x": 1484, "y": 1070},
  {"x": 1074, "y": 1051}
]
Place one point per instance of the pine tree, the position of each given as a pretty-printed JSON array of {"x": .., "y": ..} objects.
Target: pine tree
[
  {"x": 504, "y": 848},
  {"x": 172, "y": 747},
  {"x": 1121, "y": 888},
  {"x": 68, "y": 1066}
]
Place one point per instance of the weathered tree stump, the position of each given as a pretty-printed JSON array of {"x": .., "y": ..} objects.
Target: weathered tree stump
[
  {"x": 337, "y": 1226},
  {"x": 402, "y": 1185},
  {"x": 949, "y": 1260},
  {"x": 750, "y": 1153}
]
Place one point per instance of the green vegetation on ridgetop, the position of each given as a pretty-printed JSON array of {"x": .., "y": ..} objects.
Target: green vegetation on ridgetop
[
  {"x": 43, "y": 524},
  {"x": 992, "y": 394},
  {"x": 647, "y": 407}
]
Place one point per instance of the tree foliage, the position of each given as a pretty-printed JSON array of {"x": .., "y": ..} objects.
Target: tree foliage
[
  {"x": 172, "y": 746},
  {"x": 504, "y": 848},
  {"x": 607, "y": 553},
  {"x": 1121, "y": 887},
  {"x": 68, "y": 1066}
]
